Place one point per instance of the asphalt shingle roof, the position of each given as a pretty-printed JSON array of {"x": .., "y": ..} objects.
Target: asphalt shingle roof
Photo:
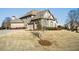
[
  {"x": 34, "y": 12},
  {"x": 16, "y": 21}
]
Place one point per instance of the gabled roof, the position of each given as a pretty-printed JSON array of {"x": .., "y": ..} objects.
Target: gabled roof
[
  {"x": 34, "y": 12},
  {"x": 41, "y": 15},
  {"x": 38, "y": 14}
]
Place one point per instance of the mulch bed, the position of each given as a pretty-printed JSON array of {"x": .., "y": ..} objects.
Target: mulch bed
[{"x": 45, "y": 43}]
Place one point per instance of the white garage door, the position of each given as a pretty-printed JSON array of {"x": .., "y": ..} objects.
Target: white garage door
[{"x": 17, "y": 25}]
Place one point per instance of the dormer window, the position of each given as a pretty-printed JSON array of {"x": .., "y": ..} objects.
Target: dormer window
[
  {"x": 13, "y": 17},
  {"x": 32, "y": 16}
]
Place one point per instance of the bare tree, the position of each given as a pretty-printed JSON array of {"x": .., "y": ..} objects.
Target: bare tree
[
  {"x": 6, "y": 23},
  {"x": 73, "y": 19}
]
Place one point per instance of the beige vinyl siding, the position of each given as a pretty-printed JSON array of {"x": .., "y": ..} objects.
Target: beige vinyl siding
[
  {"x": 30, "y": 27},
  {"x": 17, "y": 25},
  {"x": 48, "y": 23},
  {"x": 54, "y": 24},
  {"x": 48, "y": 15},
  {"x": 35, "y": 26}
]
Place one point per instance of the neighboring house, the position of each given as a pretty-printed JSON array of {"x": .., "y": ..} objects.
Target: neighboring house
[
  {"x": 13, "y": 23},
  {"x": 37, "y": 20}
]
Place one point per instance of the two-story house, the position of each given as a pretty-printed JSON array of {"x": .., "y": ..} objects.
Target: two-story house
[{"x": 37, "y": 20}]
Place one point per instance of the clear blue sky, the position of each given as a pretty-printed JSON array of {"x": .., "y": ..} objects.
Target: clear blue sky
[{"x": 59, "y": 13}]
